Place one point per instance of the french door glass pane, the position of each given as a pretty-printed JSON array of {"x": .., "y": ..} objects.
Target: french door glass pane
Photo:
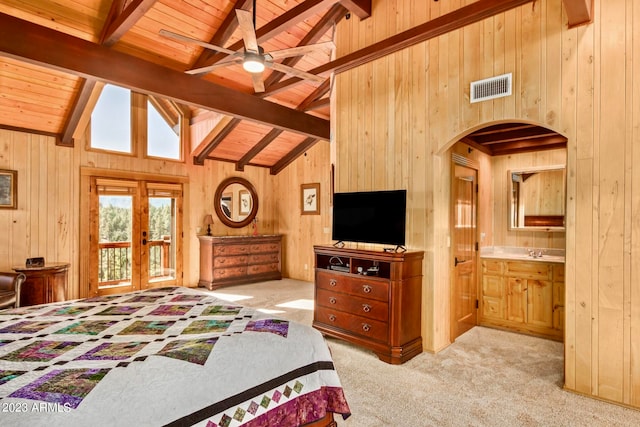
[
  {"x": 115, "y": 224},
  {"x": 161, "y": 244}
]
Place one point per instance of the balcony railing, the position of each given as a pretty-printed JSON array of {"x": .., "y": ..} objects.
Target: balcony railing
[{"x": 114, "y": 261}]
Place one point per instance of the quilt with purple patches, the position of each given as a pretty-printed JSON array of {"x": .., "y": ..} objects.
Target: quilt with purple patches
[{"x": 168, "y": 356}]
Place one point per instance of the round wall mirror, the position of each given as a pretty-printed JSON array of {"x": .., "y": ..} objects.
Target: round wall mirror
[{"x": 236, "y": 202}]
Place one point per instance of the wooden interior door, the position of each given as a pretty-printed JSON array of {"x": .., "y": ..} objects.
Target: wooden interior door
[{"x": 464, "y": 312}]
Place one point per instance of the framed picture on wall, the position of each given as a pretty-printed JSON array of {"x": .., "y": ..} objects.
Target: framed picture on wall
[
  {"x": 8, "y": 189},
  {"x": 245, "y": 202},
  {"x": 310, "y": 199}
]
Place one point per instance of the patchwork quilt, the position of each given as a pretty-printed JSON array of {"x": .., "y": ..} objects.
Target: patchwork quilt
[{"x": 168, "y": 356}]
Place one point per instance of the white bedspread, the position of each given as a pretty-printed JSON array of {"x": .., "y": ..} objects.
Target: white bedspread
[{"x": 170, "y": 356}]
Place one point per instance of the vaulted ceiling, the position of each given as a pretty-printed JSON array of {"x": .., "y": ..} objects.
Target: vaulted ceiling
[{"x": 54, "y": 54}]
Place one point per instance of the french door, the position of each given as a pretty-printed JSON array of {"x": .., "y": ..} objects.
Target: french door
[{"x": 135, "y": 237}]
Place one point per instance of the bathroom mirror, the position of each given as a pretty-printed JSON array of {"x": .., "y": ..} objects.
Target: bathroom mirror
[
  {"x": 537, "y": 198},
  {"x": 236, "y": 202}
]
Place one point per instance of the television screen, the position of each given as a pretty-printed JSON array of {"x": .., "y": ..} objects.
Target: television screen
[{"x": 370, "y": 217}]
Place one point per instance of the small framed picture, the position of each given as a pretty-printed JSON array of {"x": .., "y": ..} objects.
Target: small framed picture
[
  {"x": 245, "y": 202},
  {"x": 310, "y": 199},
  {"x": 8, "y": 189}
]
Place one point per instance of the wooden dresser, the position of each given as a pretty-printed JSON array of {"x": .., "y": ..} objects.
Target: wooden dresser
[
  {"x": 370, "y": 298},
  {"x": 231, "y": 260},
  {"x": 43, "y": 285}
]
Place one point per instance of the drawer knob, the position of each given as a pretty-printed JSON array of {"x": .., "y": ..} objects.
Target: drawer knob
[
  {"x": 366, "y": 308},
  {"x": 332, "y": 317},
  {"x": 332, "y": 300},
  {"x": 366, "y": 327},
  {"x": 366, "y": 289},
  {"x": 333, "y": 282}
]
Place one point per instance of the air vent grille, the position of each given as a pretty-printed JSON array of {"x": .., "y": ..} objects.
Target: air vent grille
[{"x": 491, "y": 88}]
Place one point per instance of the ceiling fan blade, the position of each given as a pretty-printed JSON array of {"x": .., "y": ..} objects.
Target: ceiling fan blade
[
  {"x": 245, "y": 22},
  {"x": 300, "y": 50},
  {"x": 258, "y": 83},
  {"x": 294, "y": 71},
  {"x": 212, "y": 67},
  {"x": 175, "y": 36}
]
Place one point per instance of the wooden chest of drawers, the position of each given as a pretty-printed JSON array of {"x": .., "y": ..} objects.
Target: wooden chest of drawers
[
  {"x": 373, "y": 301},
  {"x": 231, "y": 260}
]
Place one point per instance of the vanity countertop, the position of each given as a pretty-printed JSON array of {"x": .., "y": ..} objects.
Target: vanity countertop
[{"x": 522, "y": 254}]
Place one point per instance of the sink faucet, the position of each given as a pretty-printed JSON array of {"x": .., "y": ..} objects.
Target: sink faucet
[{"x": 535, "y": 254}]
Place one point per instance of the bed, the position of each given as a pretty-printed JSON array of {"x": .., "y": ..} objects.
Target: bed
[{"x": 168, "y": 356}]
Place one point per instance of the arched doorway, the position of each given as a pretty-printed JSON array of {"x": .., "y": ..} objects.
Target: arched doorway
[{"x": 479, "y": 215}]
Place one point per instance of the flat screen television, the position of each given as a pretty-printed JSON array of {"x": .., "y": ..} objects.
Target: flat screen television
[{"x": 370, "y": 217}]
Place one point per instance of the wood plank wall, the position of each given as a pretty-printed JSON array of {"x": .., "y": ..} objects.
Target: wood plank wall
[
  {"x": 396, "y": 118},
  {"x": 50, "y": 204},
  {"x": 301, "y": 232}
]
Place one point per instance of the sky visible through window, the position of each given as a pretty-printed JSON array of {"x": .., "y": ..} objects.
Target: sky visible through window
[
  {"x": 111, "y": 120},
  {"x": 162, "y": 140},
  {"x": 111, "y": 126}
]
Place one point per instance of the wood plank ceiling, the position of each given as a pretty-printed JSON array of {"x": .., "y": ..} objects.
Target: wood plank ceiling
[{"x": 52, "y": 54}]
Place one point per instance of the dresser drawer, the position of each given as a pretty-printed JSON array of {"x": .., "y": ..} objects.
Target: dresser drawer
[
  {"x": 262, "y": 268},
  {"x": 368, "y": 308},
  {"x": 369, "y": 328},
  {"x": 219, "y": 250},
  {"x": 229, "y": 261},
  {"x": 265, "y": 247},
  {"x": 358, "y": 286},
  {"x": 223, "y": 273},
  {"x": 263, "y": 258}
]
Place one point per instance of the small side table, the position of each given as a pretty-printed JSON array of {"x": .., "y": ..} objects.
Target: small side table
[{"x": 43, "y": 284}]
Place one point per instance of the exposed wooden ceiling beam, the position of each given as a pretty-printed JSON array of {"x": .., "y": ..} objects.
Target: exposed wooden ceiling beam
[
  {"x": 119, "y": 23},
  {"x": 579, "y": 12},
  {"x": 446, "y": 23},
  {"x": 274, "y": 133},
  {"x": 362, "y": 8},
  {"x": 548, "y": 143},
  {"x": 291, "y": 17},
  {"x": 77, "y": 109},
  {"x": 470, "y": 142},
  {"x": 215, "y": 141},
  {"x": 26, "y": 41},
  {"x": 512, "y": 136},
  {"x": 317, "y": 104},
  {"x": 292, "y": 155},
  {"x": 222, "y": 36},
  {"x": 333, "y": 16}
]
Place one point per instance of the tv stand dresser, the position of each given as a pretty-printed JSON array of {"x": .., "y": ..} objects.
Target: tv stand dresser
[{"x": 371, "y": 299}]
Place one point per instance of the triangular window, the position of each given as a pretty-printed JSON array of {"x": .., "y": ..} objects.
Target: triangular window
[{"x": 163, "y": 131}]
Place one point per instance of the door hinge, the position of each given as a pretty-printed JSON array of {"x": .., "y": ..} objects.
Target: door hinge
[
  {"x": 476, "y": 188},
  {"x": 477, "y": 304},
  {"x": 477, "y": 247}
]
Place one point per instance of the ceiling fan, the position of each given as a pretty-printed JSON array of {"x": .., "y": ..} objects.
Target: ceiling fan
[{"x": 253, "y": 58}]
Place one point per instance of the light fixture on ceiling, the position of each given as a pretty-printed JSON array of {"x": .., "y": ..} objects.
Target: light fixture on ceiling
[{"x": 253, "y": 62}]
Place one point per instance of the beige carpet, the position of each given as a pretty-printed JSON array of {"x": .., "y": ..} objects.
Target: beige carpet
[{"x": 486, "y": 378}]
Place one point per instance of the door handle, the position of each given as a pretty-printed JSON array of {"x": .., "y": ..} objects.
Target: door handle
[{"x": 456, "y": 262}]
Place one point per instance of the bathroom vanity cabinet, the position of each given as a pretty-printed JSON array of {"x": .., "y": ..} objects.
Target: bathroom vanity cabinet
[{"x": 523, "y": 296}]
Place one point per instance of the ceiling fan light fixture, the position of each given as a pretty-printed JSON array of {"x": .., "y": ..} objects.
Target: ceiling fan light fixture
[{"x": 253, "y": 63}]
